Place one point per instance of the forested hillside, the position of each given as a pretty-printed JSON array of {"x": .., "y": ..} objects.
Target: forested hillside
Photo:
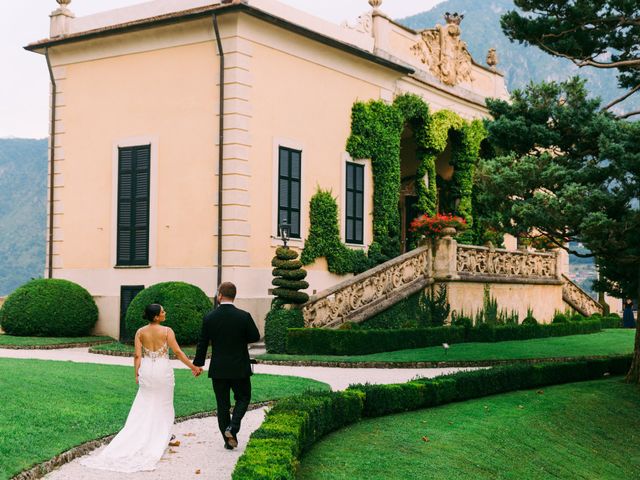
[{"x": 23, "y": 177}]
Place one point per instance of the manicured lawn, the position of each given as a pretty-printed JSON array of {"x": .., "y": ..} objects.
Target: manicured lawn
[
  {"x": 39, "y": 341},
  {"x": 607, "y": 342},
  {"x": 48, "y": 407},
  {"x": 586, "y": 430}
]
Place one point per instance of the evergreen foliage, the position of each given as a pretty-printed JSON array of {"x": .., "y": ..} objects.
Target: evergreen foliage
[
  {"x": 355, "y": 341},
  {"x": 276, "y": 326},
  {"x": 324, "y": 238},
  {"x": 49, "y": 308},
  {"x": 184, "y": 303},
  {"x": 288, "y": 285}
]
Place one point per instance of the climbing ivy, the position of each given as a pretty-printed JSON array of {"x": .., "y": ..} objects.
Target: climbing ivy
[
  {"x": 376, "y": 128},
  {"x": 376, "y": 131},
  {"x": 324, "y": 238}
]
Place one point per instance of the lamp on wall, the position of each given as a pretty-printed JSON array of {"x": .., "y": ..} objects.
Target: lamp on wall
[{"x": 285, "y": 230}]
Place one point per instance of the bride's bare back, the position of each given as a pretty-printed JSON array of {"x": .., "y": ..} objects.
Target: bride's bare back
[{"x": 153, "y": 337}]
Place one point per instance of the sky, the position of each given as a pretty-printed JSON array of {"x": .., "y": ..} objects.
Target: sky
[{"x": 24, "y": 79}]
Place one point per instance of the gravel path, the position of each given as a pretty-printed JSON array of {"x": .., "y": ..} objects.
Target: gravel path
[{"x": 201, "y": 446}]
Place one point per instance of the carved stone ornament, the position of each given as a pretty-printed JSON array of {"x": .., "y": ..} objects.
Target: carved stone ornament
[
  {"x": 578, "y": 298},
  {"x": 443, "y": 52},
  {"x": 63, "y": 3},
  {"x": 375, "y": 3},
  {"x": 335, "y": 305},
  {"x": 364, "y": 23},
  {"x": 492, "y": 58},
  {"x": 485, "y": 261}
]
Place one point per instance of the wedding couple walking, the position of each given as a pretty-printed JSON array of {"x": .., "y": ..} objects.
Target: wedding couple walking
[{"x": 147, "y": 431}]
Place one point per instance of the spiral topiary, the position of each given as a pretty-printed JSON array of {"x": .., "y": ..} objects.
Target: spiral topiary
[
  {"x": 288, "y": 278},
  {"x": 49, "y": 308},
  {"x": 184, "y": 303}
]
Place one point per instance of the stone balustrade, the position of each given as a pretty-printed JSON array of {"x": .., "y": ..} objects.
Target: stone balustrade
[
  {"x": 370, "y": 292},
  {"x": 492, "y": 262},
  {"x": 578, "y": 298}
]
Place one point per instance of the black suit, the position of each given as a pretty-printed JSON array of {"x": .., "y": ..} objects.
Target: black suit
[{"x": 229, "y": 330}]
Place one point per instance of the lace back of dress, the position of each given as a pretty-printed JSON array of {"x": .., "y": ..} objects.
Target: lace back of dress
[{"x": 162, "y": 352}]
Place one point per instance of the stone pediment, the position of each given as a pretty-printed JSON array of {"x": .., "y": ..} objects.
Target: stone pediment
[{"x": 444, "y": 54}]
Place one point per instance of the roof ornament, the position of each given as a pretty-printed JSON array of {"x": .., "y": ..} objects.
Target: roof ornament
[
  {"x": 375, "y": 4},
  {"x": 60, "y": 19},
  {"x": 492, "y": 58},
  {"x": 454, "y": 18}
]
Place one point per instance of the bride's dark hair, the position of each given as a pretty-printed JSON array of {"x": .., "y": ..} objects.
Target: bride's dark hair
[{"x": 151, "y": 311}]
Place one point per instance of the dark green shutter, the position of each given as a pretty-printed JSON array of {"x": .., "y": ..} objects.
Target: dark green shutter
[
  {"x": 354, "y": 205},
  {"x": 133, "y": 205},
  {"x": 289, "y": 183}
]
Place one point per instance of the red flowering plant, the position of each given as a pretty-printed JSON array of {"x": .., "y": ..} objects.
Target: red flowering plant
[{"x": 432, "y": 227}]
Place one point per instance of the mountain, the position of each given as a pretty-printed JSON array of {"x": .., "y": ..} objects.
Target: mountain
[
  {"x": 23, "y": 200},
  {"x": 521, "y": 64}
]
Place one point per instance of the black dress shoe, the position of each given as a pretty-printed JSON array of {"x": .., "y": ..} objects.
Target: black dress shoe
[
  {"x": 227, "y": 446},
  {"x": 231, "y": 438}
]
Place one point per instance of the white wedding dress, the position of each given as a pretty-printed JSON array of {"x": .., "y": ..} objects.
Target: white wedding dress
[{"x": 147, "y": 431}]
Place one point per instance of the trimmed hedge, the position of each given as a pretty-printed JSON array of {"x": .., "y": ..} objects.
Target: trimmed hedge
[
  {"x": 424, "y": 393},
  {"x": 294, "y": 424},
  {"x": 318, "y": 341},
  {"x": 276, "y": 325},
  {"x": 184, "y": 303},
  {"x": 49, "y": 308}
]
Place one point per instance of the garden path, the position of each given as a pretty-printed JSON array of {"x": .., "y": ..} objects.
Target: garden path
[{"x": 201, "y": 453}]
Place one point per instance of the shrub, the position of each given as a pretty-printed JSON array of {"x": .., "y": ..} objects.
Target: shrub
[
  {"x": 184, "y": 303},
  {"x": 611, "y": 321},
  {"x": 318, "y": 341},
  {"x": 288, "y": 278},
  {"x": 49, "y": 308},
  {"x": 559, "y": 318},
  {"x": 290, "y": 428},
  {"x": 576, "y": 317},
  {"x": 423, "y": 393},
  {"x": 529, "y": 320},
  {"x": 276, "y": 327},
  {"x": 403, "y": 314},
  {"x": 461, "y": 320}
]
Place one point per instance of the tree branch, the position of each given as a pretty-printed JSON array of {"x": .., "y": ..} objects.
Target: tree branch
[
  {"x": 589, "y": 61},
  {"x": 622, "y": 98},
  {"x": 630, "y": 114}
]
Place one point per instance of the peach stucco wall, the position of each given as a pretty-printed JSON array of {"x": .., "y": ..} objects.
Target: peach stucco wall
[{"x": 164, "y": 96}]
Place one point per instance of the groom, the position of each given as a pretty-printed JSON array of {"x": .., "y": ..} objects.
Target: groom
[{"x": 229, "y": 330}]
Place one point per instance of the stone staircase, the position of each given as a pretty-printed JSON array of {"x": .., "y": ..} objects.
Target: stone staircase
[
  {"x": 373, "y": 291},
  {"x": 578, "y": 299}
]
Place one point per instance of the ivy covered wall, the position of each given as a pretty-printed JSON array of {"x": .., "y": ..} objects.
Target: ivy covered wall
[{"x": 376, "y": 132}]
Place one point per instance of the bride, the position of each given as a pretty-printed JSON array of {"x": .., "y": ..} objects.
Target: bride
[{"x": 147, "y": 431}]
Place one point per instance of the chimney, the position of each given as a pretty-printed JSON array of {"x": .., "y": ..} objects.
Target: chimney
[{"x": 60, "y": 19}]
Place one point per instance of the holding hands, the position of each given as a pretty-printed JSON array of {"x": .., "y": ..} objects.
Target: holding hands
[{"x": 197, "y": 371}]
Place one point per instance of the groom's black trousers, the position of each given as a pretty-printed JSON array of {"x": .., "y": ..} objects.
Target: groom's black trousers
[{"x": 241, "y": 388}]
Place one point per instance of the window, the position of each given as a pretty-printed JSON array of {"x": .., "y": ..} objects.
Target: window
[
  {"x": 133, "y": 205},
  {"x": 354, "y": 203},
  {"x": 289, "y": 189}
]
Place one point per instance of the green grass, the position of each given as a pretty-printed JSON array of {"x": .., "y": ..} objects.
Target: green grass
[
  {"x": 189, "y": 350},
  {"x": 39, "y": 341},
  {"x": 585, "y": 430},
  {"x": 48, "y": 407},
  {"x": 608, "y": 342}
]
